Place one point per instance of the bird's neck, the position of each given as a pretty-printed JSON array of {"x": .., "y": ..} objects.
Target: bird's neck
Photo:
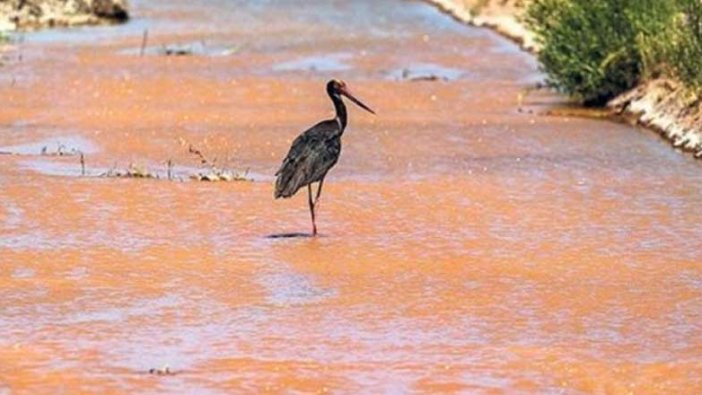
[{"x": 340, "y": 108}]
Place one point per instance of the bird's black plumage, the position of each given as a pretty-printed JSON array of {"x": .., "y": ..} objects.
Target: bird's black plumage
[
  {"x": 311, "y": 156},
  {"x": 315, "y": 151}
]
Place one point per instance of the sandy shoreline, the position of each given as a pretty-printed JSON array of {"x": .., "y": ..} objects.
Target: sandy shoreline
[
  {"x": 18, "y": 15},
  {"x": 661, "y": 105}
]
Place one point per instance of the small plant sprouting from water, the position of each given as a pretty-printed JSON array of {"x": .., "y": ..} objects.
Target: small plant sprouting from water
[
  {"x": 82, "y": 164},
  {"x": 213, "y": 172},
  {"x": 169, "y": 169},
  {"x": 61, "y": 150},
  {"x": 132, "y": 171},
  {"x": 210, "y": 171},
  {"x": 144, "y": 41}
]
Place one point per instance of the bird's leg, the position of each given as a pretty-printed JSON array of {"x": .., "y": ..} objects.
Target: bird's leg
[
  {"x": 309, "y": 195},
  {"x": 319, "y": 191}
]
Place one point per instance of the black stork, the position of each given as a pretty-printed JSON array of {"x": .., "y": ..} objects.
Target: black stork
[{"x": 315, "y": 151}]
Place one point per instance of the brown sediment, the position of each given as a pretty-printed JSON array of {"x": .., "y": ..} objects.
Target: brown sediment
[
  {"x": 465, "y": 246},
  {"x": 662, "y": 105}
]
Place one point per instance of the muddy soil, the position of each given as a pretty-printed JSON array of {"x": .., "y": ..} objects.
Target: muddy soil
[{"x": 468, "y": 244}]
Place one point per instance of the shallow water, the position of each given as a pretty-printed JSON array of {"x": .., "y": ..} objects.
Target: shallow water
[{"x": 466, "y": 246}]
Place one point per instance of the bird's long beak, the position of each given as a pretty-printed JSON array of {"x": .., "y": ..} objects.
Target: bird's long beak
[{"x": 345, "y": 92}]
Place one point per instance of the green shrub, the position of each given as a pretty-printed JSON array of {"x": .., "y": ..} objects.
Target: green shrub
[
  {"x": 596, "y": 49},
  {"x": 686, "y": 54}
]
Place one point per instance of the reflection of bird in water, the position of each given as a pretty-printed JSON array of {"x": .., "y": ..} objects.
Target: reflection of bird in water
[{"x": 315, "y": 151}]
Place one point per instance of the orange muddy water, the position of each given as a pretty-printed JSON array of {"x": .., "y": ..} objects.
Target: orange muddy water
[{"x": 467, "y": 245}]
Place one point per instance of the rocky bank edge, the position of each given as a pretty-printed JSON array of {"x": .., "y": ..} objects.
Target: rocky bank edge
[
  {"x": 661, "y": 104},
  {"x": 34, "y": 14}
]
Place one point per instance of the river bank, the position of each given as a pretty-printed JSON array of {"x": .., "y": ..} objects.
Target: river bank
[
  {"x": 662, "y": 105},
  {"x": 18, "y": 15}
]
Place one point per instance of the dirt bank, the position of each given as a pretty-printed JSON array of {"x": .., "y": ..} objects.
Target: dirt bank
[
  {"x": 665, "y": 106},
  {"x": 662, "y": 105},
  {"x": 502, "y": 16},
  {"x": 34, "y": 14}
]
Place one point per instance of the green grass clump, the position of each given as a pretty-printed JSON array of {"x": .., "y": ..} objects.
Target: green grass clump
[
  {"x": 596, "y": 49},
  {"x": 686, "y": 53}
]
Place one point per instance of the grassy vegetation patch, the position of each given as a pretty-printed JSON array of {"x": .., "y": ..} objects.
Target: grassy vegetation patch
[{"x": 597, "y": 49}]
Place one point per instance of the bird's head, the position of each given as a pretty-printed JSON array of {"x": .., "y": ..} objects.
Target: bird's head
[{"x": 338, "y": 87}]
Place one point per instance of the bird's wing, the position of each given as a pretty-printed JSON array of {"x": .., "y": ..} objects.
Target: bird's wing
[
  {"x": 311, "y": 155},
  {"x": 305, "y": 142}
]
